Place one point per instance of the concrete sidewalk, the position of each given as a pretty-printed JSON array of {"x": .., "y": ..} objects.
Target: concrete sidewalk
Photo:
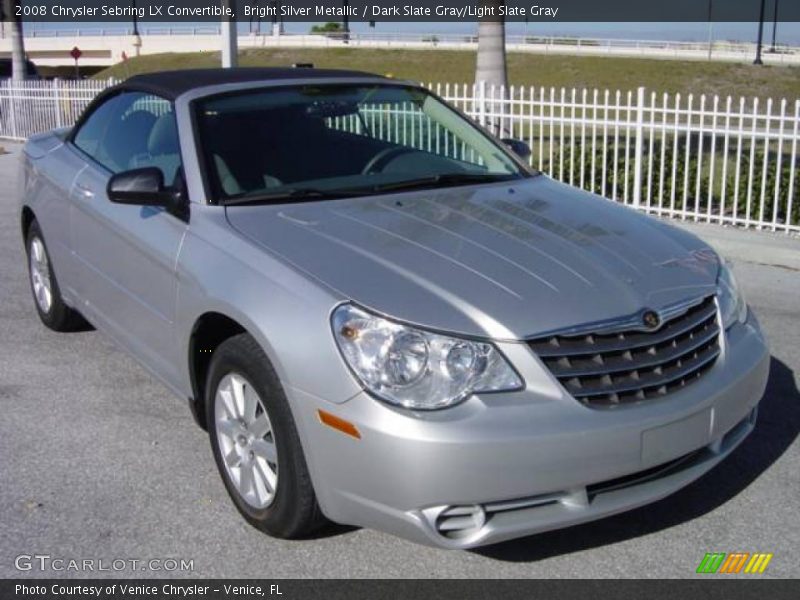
[{"x": 758, "y": 247}]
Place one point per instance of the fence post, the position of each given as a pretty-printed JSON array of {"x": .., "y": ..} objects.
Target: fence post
[
  {"x": 57, "y": 100},
  {"x": 3, "y": 125},
  {"x": 481, "y": 103},
  {"x": 639, "y": 149},
  {"x": 12, "y": 108}
]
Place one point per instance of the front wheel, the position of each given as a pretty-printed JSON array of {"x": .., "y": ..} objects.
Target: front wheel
[{"x": 255, "y": 442}]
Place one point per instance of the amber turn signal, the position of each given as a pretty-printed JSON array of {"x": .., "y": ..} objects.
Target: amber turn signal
[{"x": 339, "y": 424}]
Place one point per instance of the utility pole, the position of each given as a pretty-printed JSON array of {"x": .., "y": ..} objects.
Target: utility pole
[
  {"x": 774, "y": 26},
  {"x": 758, "y": 60},
  {"x": 230, "y": 56}
]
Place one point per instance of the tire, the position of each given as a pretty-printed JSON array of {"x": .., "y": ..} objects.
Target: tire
[
  {"x": 241, "y": 376},
  {"x": 50, "y": 306}
]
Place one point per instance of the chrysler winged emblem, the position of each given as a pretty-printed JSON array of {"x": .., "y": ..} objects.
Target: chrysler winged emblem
[{"x": 651, "y": 319}]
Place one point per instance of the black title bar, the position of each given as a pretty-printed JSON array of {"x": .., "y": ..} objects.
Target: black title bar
[{"x": 736, "y": 588}]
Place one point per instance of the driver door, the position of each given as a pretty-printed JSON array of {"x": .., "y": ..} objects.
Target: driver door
[{"x": 127, "y": 254}]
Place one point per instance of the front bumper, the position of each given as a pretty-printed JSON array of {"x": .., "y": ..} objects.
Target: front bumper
[{"x": 502, "y": 466}]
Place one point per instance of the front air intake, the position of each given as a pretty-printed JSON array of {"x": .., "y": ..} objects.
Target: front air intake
[{"x": 457, "y": 522}]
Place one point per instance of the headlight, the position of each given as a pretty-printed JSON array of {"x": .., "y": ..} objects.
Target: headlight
[
  {"x": 414, "y": 368},
  {"x": 732, "y": 305}
]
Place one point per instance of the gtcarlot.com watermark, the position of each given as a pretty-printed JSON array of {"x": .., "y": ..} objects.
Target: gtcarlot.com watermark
[{"x": 47, "y": 562}]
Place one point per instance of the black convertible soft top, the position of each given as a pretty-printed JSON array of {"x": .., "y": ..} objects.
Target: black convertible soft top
[{"x": 171, "y": 84}]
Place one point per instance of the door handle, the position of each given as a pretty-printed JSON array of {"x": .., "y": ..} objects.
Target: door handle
[{"x": 85, "y": 191}]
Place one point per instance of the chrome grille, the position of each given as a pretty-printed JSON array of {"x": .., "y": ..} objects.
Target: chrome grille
[{"x": 623, "y": 367}]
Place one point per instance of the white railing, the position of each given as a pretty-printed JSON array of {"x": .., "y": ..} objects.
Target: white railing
[
  {"x": 663, "y": 49},
  {"x": 265, "y": 28},
  {"x": 116, "y": 31},
  {"x": 31, "y": 107},
  {"x": 260, "y": 34},
  {"x": 706, "y": 158}
]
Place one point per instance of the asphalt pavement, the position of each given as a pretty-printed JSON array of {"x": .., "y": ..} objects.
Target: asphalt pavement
[{"x": 98, "y": 461}]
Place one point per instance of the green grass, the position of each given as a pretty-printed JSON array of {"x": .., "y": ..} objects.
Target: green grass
[{"x": 671, "y": 76}]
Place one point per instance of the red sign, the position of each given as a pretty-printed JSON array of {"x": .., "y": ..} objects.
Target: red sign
[{"x": 75, "y": 53}]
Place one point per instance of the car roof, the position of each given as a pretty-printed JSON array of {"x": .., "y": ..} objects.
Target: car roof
[{"x": 171, "y": 84}]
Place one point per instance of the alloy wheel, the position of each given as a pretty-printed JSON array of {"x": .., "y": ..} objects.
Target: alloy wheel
[
  {"x": 40, "y": 275},
  {"x": 246, "y": 440}
]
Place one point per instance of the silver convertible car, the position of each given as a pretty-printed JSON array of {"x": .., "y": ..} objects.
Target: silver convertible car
[{"x": 382, "y": 316}]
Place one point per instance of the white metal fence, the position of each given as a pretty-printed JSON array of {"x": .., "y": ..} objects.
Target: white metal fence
[
  {"x": 31, "y": 107},
  {"x": 705, "y": 158}
]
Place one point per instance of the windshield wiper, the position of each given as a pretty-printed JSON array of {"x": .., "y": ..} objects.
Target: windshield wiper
[
  {"x": 443, "y": 180},
  {"x": 292, "y": 195},
  {"x": 302, "y": 194}
]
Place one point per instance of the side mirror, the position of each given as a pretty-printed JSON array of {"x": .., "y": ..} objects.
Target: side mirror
[
  {"x": 519, "y": 147},
  {"x": 143, "y": 187}
]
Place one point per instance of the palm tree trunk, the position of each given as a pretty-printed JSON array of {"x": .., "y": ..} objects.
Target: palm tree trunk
[
  {"x": 18, "y": 70},
  {"x": 491, "y": 68},
  {"x": 491, "y": 64}
]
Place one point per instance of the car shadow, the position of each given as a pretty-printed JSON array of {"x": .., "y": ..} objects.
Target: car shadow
[
  {"x": 777, "y": 427},
  {"x": 331, "y": 530}
]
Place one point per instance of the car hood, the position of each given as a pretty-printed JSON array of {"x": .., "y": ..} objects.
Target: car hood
[{"x": 506, "y": 261}]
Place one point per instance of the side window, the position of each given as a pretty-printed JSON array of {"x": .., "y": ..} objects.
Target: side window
[{"x": 136, "y": 130}]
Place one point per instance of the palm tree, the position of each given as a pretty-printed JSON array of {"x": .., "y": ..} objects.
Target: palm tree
[
  {"x": 18, "y": 70},
  {"x": 491, "y": 63},
  {"x": 490, "y": 67}
]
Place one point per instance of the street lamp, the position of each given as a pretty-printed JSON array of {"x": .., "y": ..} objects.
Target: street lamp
[
  {"x": 135, "y": 18},
  {"x": 774, "y": 26},
  {"x": 710, "y": 29},
  {"x": 758, "y": 60},
  {"x": 137, "y": 39}
]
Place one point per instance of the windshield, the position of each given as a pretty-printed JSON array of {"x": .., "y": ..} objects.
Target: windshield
[{"x": 320, "y": 141}]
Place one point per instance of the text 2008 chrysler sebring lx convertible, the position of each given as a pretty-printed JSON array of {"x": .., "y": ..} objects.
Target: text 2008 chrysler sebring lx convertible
[{"x": 382, "y": 316}]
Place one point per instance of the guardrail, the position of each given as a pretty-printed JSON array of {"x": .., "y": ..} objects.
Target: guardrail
[
  {"x": 706, "y": 158},
  {"x": 520, "y": 42},
  {"x": 31, "y": 32}
]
